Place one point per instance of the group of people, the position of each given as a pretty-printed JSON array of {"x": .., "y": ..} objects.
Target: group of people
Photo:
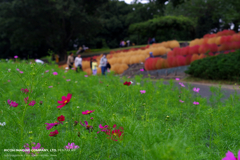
[
  {"x": 104, "y": 64},
  {"x": 124, "y": 44},
  {"x": 151, "y": 40}
]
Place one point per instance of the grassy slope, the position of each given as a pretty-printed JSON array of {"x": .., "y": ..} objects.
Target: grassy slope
[{"x": 156, "y": 125}]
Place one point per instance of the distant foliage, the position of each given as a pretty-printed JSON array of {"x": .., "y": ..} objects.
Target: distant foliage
[{"x": 165, "y": 28}]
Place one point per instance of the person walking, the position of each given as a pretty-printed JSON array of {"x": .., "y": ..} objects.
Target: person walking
[
  {"x": 78, "y": 63},
  {"x": 103, "y": 64},
  {"x": 70, "y": 60}
]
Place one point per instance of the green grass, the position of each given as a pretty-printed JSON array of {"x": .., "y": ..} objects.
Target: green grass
[{"x": 156, "y": 125}]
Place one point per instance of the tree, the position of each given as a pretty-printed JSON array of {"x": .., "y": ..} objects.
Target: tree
[{"x": 29, "y": 24}]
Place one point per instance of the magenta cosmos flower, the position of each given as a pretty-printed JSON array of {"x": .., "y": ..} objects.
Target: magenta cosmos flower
[
  {"x": 50, "y": 125},
  {"x": 88, "y": 127},
  {"x": 32, "y": 103},
  {"x": 115, "y": 134},
  {"x": 143, "y": 91},
  {"x": 196, "y": 103},
  {"x": 141, "y": 70},
  {"x": 17, "y": 69},
  {"x": 15, "y": 57},
  {"x": 68, "y": 80},
  {"x": 25, "y": 90},
  {"x": 27, "y": 149},
  {"x": 55, "y": 73},
  {"x": 54, "y": 133},
  {"x": 196, "y": 89},
  {"x": 21, "y": 72},
  {"x": 86, "y": 76},
  {"x": 47, "y": 71},
  {"x": 177, "y": 79},
  {"x": 88, "y": 112},
  {"x": 230, "y": 156},
  {"x": 65, "y": 100},
  {"x": 103, "y": 128},
  {"x": 71, "y": 146},
  {"x": 12, "y": 104},
  {"x": 50, "y": 86},
  {"x": 181, "y": 101}
]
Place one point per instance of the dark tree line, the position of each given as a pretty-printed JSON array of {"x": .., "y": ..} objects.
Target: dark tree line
[{"x": 29, "y": 28}]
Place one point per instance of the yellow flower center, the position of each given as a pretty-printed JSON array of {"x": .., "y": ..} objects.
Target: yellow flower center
[
  {"x": 115, "y": 134},
  {"x": 65, "y": 102},
  {"x": 88, "y": 126},
  {"x": 88, "y": 112}
]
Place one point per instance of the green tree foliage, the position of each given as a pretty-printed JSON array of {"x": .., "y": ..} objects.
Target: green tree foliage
[
  {"x": 118, "y": 16},
  {"x": 29, "y": 24},
  {"x": 165, "y": 28},
  {"x": 205, "y": 13}
]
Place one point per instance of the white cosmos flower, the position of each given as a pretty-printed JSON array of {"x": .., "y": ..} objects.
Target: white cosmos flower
[
  {"x": 131, "y": 82},
  {"x": 138, "y": 83},
  {"x": 2, "y": 124}
]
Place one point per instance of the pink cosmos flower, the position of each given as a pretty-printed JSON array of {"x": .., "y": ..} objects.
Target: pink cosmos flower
[
  {"x": 47, "y": 71},
  {"x": 50, "y": 125},
  {"x": 142, "y": 91},
  {"x": 27, "y": 149},
  {"x": 50, "y": 86},
  {"x": 21, "y": 72},
  {"x": 181, "y": 101},
  {"x": 86, "y": 76},
  {"x": 15, "y": 57},
  {"x": 230, "y": 156},
  {"x": 196, "y": 89},
  {"x": 181, "y": 84},
  {"x": 68, "y": 80},
  {"x": 9, "y": 81},
  {"x": 72, "y": 68},
  {"x": 12, "y": 104},
  {"x": 88, "y": 112},
  {"x": 141, "y": 70},
  {"x": 65, "y": 100},
  {"x": 177, "y": 79},
  {"x": 55, "y": 73},
  {"x": 196, "y": 103},
  {"x": 32, "y": 103},
  {"x": 17, "y": 69},
  {"x": 86, "y": 125},
  {"x": 54, "y": 133},
  {"x": 129, "y": 76},
  {"x": 71, "y": 146}
]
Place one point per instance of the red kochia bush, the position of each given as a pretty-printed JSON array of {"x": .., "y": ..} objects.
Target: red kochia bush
[
  {"x": 181, "y": 60},
  {"x": 194, "y": 49},
  {"x": 188, "y": 59},
  {"x": 148, "y": 64},
  {"x": 172, "y": 61},
  {"x": 176, "y": 51}
]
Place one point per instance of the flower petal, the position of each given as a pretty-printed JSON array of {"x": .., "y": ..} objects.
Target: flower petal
[{"x": 61, "y": 106}]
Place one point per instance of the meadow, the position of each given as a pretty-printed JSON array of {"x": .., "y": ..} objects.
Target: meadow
[{"x": 140, "y": 120}]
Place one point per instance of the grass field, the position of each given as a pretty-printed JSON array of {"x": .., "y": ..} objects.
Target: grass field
[{"x": 151, "y": 125}]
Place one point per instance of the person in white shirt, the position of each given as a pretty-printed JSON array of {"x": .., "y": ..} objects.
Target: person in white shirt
[
  {"x": 103, "y": 64},
  {"x": 78, "y": 62}
]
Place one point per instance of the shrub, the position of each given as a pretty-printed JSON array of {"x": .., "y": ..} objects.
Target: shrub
[{"x": 220, "y": 67}]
